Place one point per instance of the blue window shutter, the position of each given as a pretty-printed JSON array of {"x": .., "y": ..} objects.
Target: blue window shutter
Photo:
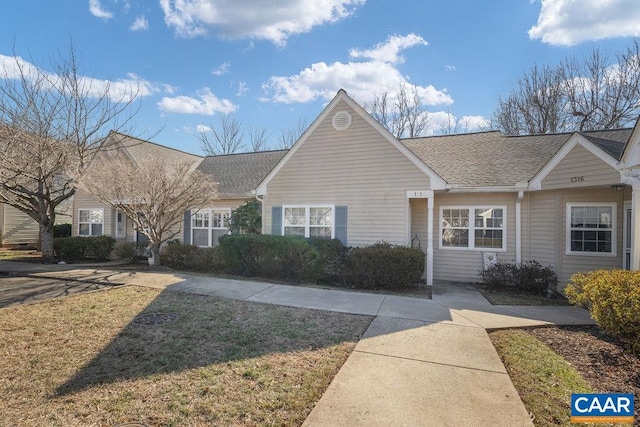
[
  {"x": 187, "y": 228},
  {"x": 276, "y": 220},
  {"x": 341, "y": 224}
]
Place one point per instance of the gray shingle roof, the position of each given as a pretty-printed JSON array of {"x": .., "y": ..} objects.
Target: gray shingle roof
[
  {"x": 493, "y": 159},
  {"x": 140, "y": 149},
  {"x": 240, "y": 174}
]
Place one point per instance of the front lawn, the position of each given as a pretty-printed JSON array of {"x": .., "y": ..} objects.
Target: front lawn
[
  {"x": 84, "y": 361},
  {"x": 15, "y": 254}
]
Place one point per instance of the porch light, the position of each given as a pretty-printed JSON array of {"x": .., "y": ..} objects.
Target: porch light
[{"x": 618, "y": 187}]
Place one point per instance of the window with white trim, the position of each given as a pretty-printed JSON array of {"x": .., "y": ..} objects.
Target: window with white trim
[
  {"x": 207, "y": 225},
  {"x": 309, "y": 221},
  {"x": 90, "y": 222},
  {"x": 473, "y": 227},
  {"x": 591, "y": 228}
]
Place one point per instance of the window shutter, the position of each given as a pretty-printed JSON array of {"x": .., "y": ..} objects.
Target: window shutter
[
  {"x": 276, "y": 220},
  {"x": 341, "y": 224},
  {"x": 187, "y": 228}
]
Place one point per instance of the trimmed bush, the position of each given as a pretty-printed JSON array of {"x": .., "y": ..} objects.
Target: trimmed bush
[
  {"x": 613, "y": 298},
  {"x": 80, "y": 247},
  {"x": 278, "y": 257},
  {"x": 133, "y": 252},
  {"x": 192, "y": 258},
  {"x": 333, "y": 259},
  {"x": 529, "y": 276},
  {"x": 385, "y": 266}
]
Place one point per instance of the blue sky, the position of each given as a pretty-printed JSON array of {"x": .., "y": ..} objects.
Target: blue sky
[{"x": 273, "y": 63}]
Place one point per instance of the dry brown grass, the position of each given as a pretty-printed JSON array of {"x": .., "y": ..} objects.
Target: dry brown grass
[{"x": 79, "y": 361}]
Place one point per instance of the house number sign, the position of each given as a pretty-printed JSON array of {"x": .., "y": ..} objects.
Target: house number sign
[{"x": 577, "y": 179}]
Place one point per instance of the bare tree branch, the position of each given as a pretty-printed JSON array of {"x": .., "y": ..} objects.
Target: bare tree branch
[
  {"x": 290, "y": 136},
  {"x": 227, "y": 137},
  {"x": 402, "y": 114},
  {"x": 258, "y": 138},
  {"x": 52, "y": 124}
]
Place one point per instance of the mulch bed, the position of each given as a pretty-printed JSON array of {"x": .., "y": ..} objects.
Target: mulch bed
[{"x": 599, "y": 358}]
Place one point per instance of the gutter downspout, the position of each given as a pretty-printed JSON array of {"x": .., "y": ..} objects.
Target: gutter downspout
[
  {"x": 262, "y": 208},
  {"x": 519, "y": 227}
]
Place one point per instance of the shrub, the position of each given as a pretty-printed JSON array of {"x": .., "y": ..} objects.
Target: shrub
[
  {"x": 247, "y": 218},
  {"x": 70, "y": 248},
  {"x": 529, "y": 276},
  {"x": 268, "y": 256},
  {"x": 178, "y": 256},
  {"x": 80, "y": 247},
  {"x": 192, "y": 258},
  {"x": 613, "y": 298},
  {"x": 133, "y": 252},
  {"x": 332, "y": 259},
  {"x": 385, "y": 266},
  {"x": 99, "y": 247},
  {"x": 62, "y": 230}
]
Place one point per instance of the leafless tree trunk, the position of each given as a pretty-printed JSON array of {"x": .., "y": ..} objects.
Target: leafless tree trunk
[
  {"x": 258, "y": 138},
  {"x": 290, "y": 136},
  {"x": 402, "y": 114},
  {"x": 592, "y": 93},
  {"x": 154, "y": 194},
  {"x": 227, "y": 137},
  {"x": 52, "y": 123}
]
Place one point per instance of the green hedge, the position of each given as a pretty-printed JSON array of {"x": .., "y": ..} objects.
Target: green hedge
[
  {"x": 133, "y": 252},
  {"x": 192, "y": 258},
  {"x": 80, "y": 248},
  {"x": 385, "y": 266},
  {"x": 613, "y": 298},
  {"x": 277, "y": 257}
]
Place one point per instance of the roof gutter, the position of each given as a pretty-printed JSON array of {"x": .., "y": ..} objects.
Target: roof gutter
[{"x": 455, "y": 188}]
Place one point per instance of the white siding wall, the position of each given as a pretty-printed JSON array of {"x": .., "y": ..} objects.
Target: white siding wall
[{"x": 356, "y": 168}]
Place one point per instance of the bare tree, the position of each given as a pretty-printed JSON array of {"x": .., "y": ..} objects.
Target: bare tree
[
  {"x": 592, "y": 93},
  {"x": 226, "y": 138},
  {"x": 402, "y": 114},
  {"x": 52, "y": 124},
  {"x": 290, "y": 136},
  {"x": 258, "y": 138},
  {"x": 153, "y": 193}
]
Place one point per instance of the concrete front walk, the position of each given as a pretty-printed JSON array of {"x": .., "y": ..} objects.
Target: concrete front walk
[{"x": 420, "y": 363}]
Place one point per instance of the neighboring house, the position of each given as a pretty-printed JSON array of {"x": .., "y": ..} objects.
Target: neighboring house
[
  {"x": 93, "y": 218},
  {"x": 565, "y": 200},
  {"x": 237, "y": 176},
  {"x": 16, "y": 227}
]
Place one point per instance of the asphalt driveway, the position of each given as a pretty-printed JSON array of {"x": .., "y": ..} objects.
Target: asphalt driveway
[{"x": 24, "y": 290}]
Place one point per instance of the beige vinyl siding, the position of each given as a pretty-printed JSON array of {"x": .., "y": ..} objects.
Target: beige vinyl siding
[
  {"x": 82, "y": 200},
  {"x": 463, "y": 265},
  {"x": 17, "y": 227},
  {"x": 585, "y": 168},
  {"x": 419, "y": 222},
  {"x": 539, "y": 236},
  {"x": 357, "y": 168},
  {"x": 576, "y": 263}
]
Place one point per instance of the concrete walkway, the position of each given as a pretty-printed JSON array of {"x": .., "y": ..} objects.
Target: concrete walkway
[{"x": 420, "y": 363}]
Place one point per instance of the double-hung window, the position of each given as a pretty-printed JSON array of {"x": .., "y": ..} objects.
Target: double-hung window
[
  {"x": 90, "y": 222},
  {"x": 591, "y": 228},
  {"x": 309, "y": 221},
  {"x": 473, "y": 227},
  {"x": 207, "y": 225}
]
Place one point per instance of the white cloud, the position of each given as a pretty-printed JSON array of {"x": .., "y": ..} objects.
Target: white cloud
[
  {"x": 568, "y": 22},
  {"x": 221, "y": 69},
  {"x": 206, "y": 104},
  {"x": 120, "y": 90},
  {"x": 450, "y": 67},
  {"x": 443, "y": 122},
  {"x": 96, "y": 10},
  {"x": 257, "y": 19},
  {"x": 140, "y": 23},
  {"x": 389, "y": 51},
  {"x": 203, "y": 129},
  {"x": 360, "y": 79},
  {"x": 242, "y": 89}
]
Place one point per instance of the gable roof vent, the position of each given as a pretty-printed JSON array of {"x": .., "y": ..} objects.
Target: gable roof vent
[{"x": 341, "y": 120}]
